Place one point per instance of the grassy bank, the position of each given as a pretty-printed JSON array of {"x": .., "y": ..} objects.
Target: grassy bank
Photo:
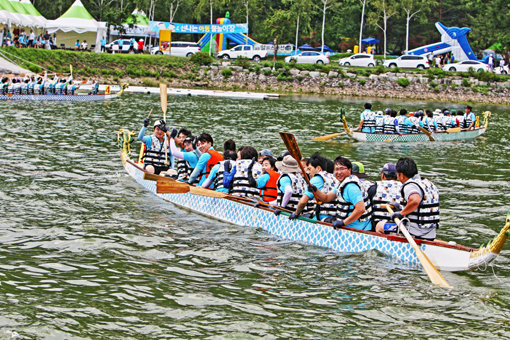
[{"x": 242, "y": 74}]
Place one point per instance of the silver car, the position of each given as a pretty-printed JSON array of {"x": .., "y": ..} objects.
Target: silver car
[
  {"x": 178, "y": 49},
  {"x": 408, "y": 61}
]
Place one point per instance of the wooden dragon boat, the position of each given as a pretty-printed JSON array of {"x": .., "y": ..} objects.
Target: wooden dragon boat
[
  {"x": 63, "y": 97},
  {"x": 456, "y": 134},
  {"x": 445, "y": 256}
]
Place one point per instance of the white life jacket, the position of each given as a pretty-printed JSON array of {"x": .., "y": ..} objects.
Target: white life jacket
[
  {"x": 427, "y": 214},
  {"x": 369, "y": 120},
  {"x": 401, "y": 124},
  {"x": 379, "y": 124},
  {"x": 387, "y": 192},
  {"x": 298, "y": 189},
  {"x": 155, "y": 155},
  {"x": 416, "y": 122},
  {"x": 220, "y": 174},
  {"x": 389, "y": 125},
  {"x": 184, "y": 170},
  {"x": 344, "y": 208},
  {"x": 330, "y": 183},
  {"x": 241, "y": 184}
]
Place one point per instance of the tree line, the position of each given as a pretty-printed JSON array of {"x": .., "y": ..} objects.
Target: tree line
[{"x": 339, "y": 24}]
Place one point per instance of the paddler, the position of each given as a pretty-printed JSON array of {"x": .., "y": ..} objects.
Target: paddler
[
  {"x": 244, "y": 182},
  {"x": 352, "y": 208},
  {"x": 208, "y": 159},
  {"x": 267, "y": 182},
  {"x": 320, "y": 180},
  {"x": 421, "y": 201},
  {"x": 157, "y": 157},
  {"x": 291, "y": 185},
  {"x": 469, "y": 119},
  {"x": 182, "y": 148}
]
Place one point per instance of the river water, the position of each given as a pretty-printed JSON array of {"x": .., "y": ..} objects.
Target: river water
[{"x": 87, "y": 253}]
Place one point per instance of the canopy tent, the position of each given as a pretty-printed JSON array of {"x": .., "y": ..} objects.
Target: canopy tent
[
  {"x": 325, "y": 48},
  {"x": 20, "y": 13},
  {"x": 77, "y": 23},
  {"x": 370, "y": 41},
  {"x": 139, "y": 22},
  {"x": 305, "y": 47}
]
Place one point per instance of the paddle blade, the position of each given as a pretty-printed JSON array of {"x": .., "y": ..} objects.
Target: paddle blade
[
  {"x": 167, "y": 187},
  {"x": 455, "y": 129},
  {"x": 328, "y": 137},
  {"x": 291, "y": 144},
  {"x": 163, "y": 94},
  {"x": 153, "y": 177},
  {"x": 207, "y": 192},
  {"x": 432, "y": 272}
]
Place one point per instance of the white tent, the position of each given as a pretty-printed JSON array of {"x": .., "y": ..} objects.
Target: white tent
[
  {"x": 77, "y": 23},
  {"x": 12, "y": 13}
]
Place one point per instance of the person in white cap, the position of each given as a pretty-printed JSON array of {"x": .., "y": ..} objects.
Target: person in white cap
[
  {"x": 157, "y": 157},
  {"x": 291, "y": 185}
]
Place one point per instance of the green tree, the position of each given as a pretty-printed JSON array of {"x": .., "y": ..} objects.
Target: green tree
[
  {"x": 384, "y": 9},
  {"x": 326, "y": 4},
  {"x": 412, "y": 8}
]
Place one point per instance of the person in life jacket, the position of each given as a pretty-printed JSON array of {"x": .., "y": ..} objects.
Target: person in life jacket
[
  {"x": 379, "y": 122},
  {"x": 403, "y": 122},
  {"x": 469, "y": 119},
  {"x": 390, "y": 122},
  {"x": 291, "y": 185},
  {"x": 265, "y": 153},
  {"x": 421, "y": 201},
  {"x": 222, "y": 174},
  {"x": 320, "y": 180},
  {"x": 182, "y": 149},
  {"x": 367, "y": 120},
  {"x": 351, "y": 207},
  {"x": 385, "y": 191},
  {"x": 430, "y": 122},
  {"x": 267, "y": 182},
  {"x": 157, "y": 158},
  {"x": 208, "y": 159},
  {"x": 244, "y": 183}
]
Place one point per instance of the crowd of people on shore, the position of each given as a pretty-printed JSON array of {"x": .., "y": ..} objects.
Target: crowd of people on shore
[
  {"x": 338, "y": 191},
  {"x": 41, "y": 85},
  {"x": 403, "y": 122},
  {"x": 20, "y": 38}
]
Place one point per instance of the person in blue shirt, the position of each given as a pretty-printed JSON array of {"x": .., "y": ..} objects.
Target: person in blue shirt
[
  {"x": 208, "y": 159},
  {"x": 469, "y": 119},
  {"x": 320, "y": 180},
  {"x": 77, "y": 45},
  {"x": 103, "y": 44},
  {"x": 121, "y": 43},
  {"x": 351, "y": 211},
  {"x": 187, "y": 156},
  {"x": 157, "y": 158},
  {"x": 367, "y": 120},
  {"x": 216, "y": 176}
]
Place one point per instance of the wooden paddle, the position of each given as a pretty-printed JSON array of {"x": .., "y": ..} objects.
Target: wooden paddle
[
  {"x": 427, "y": 132},
  {"x": 392, "y": 138},
  {"x": 455, "y": 129},
  {"x": 328, "y": 137},
  {"x": 194, "y": 190},
  {"x": 293, "y": 148},
  {"x": 163, "y": 96},
  {"x": 167, "y": 187},
  {"x": 434, "y": 275},
  {"x": 153, "y": 177}
]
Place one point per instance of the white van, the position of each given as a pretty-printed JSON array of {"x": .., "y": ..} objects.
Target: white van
[{"x": 179, "y": 49}]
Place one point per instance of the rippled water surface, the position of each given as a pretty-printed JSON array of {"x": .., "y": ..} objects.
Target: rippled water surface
[{"x": 87, "y": 253}]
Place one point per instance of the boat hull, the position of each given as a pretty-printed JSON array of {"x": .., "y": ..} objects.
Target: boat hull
[
  {"x": 439, "y": 137},
  {"x": 443, "y": 256},
  {"x": 59, "y": 97}
]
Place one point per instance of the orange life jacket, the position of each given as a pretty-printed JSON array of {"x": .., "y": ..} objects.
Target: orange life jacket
[
  {"x": 269, "y": 193},
  {"x": 216, "y": 157}
]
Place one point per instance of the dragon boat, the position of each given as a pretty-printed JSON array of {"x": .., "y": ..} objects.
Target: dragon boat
[
  {"x": 446, "y": 256},
  {"x": 455, "y": 134},
  {"x": 64, "y": 97}
]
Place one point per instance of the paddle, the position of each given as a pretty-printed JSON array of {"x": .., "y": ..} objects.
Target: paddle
[
  {"x": 328, "y": 137},
  {"x": 293, "y": 148},
  {"x": 172, "y": 182},
  {"x": 427, "y": 132},
  {"x": 434, "y": 275},
  {"x": 167, "y": 187},
  {"x": 392, "y": 138},
  {"x": 163, "y": 96},
  {"x": 455, "y": 129}
]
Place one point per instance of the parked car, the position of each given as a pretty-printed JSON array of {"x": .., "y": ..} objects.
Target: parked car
[
  {"x": 178, "y": 49},
  {"x": 408, "y": 61},
  {"x": 308, "y": 58},
  {"x": 359, "y": 59},
  {"x": 254, "y": 52},
  {"x": 502, "y": 70},
  {"x": 465, "y": 65},
  {"x": 114, "y": 46}
]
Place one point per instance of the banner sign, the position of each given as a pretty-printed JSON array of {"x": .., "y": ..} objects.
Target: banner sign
[{"x": 155, "y": 26}]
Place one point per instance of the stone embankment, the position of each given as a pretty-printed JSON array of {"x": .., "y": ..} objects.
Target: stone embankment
[{"x": 416, "y": 86}]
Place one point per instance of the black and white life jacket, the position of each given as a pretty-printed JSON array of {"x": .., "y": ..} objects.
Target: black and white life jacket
[
  {"x": 369, "y": 120},
  {"x": 226, "y": 165},
  {"x": 241, "y": 183},
  {"x": 387, "y": 192},
  {"x": 344, "y": 208},
  {"x": 379, "y": 124},
  {"x": 330, "y": 183},
  {"x": 401, "y": 124},
  {"x": 298, "y": 189},
  {"x": 155, "y": 155},
  {"x": 427, "y": 214},
  {"x": 389, "y": 125}
]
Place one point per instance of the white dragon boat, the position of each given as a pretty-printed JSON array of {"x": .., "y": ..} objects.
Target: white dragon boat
[
  {"x": 64, "y": 97},
  {"x": 444, "y": 255},
  {"x": 456, "y": 135}
]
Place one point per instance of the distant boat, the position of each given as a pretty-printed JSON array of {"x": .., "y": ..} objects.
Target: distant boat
[
  {"x": 63, "y": 97},
  {"x": 456, "y": 134}
]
